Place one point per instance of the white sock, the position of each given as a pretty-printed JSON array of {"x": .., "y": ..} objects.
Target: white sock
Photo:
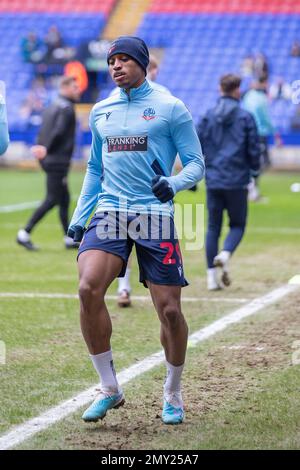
[
  {"x": 104, "y": 365},
  {"x": 124, "y": 282},
  {"x": 172, "y": 383},
  {"x": 23, "y": 236},
  {"x": 212, "y": 279}
]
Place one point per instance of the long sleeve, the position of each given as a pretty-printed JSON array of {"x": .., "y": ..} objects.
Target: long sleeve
[
  {"x": 92, "y": 182},
  {"x": 189, "y": 148},
  {"x": 265, "y": 117},
  {"x": 256, "y": 102},
  {"x": 4, "y": 137}
]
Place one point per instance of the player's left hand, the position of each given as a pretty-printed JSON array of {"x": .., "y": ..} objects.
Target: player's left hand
[
  {"x": 162, "y": 189},
  {"x": 76, "y": 232}
]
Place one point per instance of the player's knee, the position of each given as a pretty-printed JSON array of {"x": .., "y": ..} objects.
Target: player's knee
[
  {"x": 87, "y": 291},
  {"x": 172, "y": 316}
]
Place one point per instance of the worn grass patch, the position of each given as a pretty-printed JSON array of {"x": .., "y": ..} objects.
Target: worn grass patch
[{"x": 241, "y": 391}]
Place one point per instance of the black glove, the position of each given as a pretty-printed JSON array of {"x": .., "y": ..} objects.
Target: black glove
[
  {"x": 162, "y": 189},
  {"x": 76, "y": 232}
]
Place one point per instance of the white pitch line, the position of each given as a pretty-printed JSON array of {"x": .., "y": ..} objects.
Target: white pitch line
[
  {"x": 24, "y": 205},
  {"x": 46, "y": 295},
  {"x": 57, "y": 413},
  {"x": 19, "y": 207},
  {"x": 281, "y": 230}
]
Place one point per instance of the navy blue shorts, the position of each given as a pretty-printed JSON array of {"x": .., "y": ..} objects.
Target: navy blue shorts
[{"x": 154, "y": 237}]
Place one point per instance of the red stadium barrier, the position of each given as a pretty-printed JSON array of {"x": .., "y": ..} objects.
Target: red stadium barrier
[
  {"x": 225, "y": 6},
  {"x": 56, "y": 6}
]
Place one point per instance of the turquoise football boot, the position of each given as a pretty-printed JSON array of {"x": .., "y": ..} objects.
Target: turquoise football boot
[
  {"x": 102, "y": 403},
  {"x": 173, "y": 412}
]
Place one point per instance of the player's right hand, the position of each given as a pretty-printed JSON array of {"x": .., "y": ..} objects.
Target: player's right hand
[
  {"x": 76, "y": 232},
  {"x": 162, "y": 189},
  {"x": 39, "y": 151}
]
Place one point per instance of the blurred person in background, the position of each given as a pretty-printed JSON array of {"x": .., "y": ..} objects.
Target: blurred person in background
[
  {"x": 295, "y": 119},
  {"x": 54, "y": 150},
  {"x": 260, "y": 66},
  {"x": 152, "y": 72},
  {"x": 33, "y": 49},
  {"x": 247, "y": 66},
  {"x": 257, "y": 103},
  {"x": 34, "y": 104},
  {"x": 54, "y": 44},
  {"x": 4, "y": 136},
  {"x": 246, "y": 71},
  {"x": 230, "y": 143},
  {"x": 280, "y": 90},
  {"x": 295, "y": 49}
]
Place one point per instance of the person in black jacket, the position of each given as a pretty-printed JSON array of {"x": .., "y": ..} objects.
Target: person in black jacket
[
  {"x": 230, "y": 143},
  {"x": 54, "y": 150}
]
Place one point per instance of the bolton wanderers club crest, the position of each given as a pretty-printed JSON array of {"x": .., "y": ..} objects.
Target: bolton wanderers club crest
[{"x": 149, "y": 114}]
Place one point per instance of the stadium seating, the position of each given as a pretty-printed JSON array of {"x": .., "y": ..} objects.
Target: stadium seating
[
  {"x": 226, "y": 6},
  {"x": 204, "y": 39},
  {"x": 57, "y": 6}
]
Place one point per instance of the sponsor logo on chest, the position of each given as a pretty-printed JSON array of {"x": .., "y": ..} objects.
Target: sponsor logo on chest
[{"x": 128, "y": 143}]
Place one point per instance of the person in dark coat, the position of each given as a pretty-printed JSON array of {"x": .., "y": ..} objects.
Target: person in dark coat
[
  {"x": 230, "y": 143},
  {"x": 54, "y": 150}
]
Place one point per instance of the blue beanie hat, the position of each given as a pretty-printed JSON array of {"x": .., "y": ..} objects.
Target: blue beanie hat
[{"x": 132, "y": 46}]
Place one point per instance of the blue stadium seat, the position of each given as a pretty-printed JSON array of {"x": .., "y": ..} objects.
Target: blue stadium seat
[{"x": 201, "y": 46}]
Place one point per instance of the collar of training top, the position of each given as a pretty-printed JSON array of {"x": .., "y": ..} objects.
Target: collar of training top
[{"x": 135, "y": 93}]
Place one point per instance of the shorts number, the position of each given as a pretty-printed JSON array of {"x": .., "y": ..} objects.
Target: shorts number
[
  {"x": 177, "y": 248},
  {"x": 168, "y": 258}
]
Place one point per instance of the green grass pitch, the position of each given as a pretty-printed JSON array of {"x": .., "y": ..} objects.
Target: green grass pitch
[{"x": 241, "y": 387}]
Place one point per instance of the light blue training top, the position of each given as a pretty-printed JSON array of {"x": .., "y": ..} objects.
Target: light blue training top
[
  {"x": 136, "y": 137},
  {"x": 256, "y": 102}
]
